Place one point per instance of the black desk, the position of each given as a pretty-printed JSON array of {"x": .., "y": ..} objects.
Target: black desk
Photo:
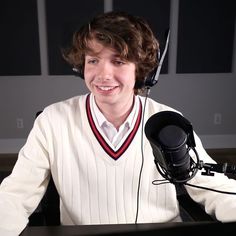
[{"x": 160, "y": 229}]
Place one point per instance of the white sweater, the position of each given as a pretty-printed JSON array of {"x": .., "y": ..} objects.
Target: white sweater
[{"x": 96, "y": 184}]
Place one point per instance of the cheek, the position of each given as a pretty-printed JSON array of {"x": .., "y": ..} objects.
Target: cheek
[
  {"x": 129, "y": 77},
  {"x": 88, "y": 74},
  {"x": 87, "y": 77}
]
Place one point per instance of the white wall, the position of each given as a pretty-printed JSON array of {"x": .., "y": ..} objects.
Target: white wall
[{"x": 198, "y": 96}]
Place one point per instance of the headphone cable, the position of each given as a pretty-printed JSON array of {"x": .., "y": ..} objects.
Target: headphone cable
[{"x": 142, "y": 154}]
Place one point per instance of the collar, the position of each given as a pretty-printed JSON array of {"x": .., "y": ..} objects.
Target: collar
[{"x": 101, "y": 119}]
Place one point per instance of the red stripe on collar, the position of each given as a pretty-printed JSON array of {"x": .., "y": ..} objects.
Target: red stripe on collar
[{"x": 114, "y": 154}]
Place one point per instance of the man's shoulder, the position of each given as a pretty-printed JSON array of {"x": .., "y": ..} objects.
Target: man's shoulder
[
  {"x": 65, "y": 107},
  {"x": 154, "y": 106},
  {"x": 70, "y": 102}
]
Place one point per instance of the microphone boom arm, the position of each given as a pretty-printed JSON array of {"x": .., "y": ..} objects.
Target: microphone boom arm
[{"x": 220, "y": 168}]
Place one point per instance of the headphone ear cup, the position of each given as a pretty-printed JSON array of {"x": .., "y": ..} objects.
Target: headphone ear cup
[
  {"x": 139, "y": 84},
  {"x": 78, "y": 72},
  {"x": 150, "y": 80}
]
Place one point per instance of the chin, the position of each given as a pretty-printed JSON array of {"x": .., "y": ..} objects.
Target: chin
[{"x": 108, "y": 99}]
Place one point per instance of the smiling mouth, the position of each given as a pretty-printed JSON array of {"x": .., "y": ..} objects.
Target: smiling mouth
[{"x": 106, "y": 88}]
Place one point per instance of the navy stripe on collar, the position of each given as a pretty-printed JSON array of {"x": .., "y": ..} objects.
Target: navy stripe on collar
[{"x": 113, "y": 154}]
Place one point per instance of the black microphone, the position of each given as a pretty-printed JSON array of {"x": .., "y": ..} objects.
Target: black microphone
[
  {"x": 171, "y": 138},
  {"x": 172, "y": 141}
]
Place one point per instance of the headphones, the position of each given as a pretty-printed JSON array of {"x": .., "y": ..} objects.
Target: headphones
[
  {"x": 150, "y": 80},
  {"x": 78, "y": 72},
  {"x": 153, "y": 76}
]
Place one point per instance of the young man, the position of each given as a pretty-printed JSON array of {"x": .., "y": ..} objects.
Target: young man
[{"x": 92, "y": 143}]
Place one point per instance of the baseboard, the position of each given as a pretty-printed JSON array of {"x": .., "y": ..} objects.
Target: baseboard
[{"x": 11, "y": 145}]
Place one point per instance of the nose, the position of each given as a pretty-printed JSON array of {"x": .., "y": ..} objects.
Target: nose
[{"x": 104, "y": 71}]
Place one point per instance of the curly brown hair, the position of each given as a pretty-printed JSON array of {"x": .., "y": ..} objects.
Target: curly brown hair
[{"x": 129, "y": 35}]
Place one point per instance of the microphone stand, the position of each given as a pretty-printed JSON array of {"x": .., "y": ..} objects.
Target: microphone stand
[
  {"x": 220, "y": 168},
  {"x": 189, "y": 209}
]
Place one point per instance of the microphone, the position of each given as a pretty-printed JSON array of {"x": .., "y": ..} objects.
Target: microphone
[{"x": 171, "y": 138}]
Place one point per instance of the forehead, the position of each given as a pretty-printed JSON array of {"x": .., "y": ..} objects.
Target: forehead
[{"x": 96, "y": 48}]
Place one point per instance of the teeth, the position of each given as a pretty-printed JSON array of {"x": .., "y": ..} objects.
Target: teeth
[{"x": 106, "y": 88}]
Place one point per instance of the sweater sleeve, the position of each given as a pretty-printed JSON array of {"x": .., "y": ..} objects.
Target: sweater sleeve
[
  {"x": 220, "y": 205},
  {"x": 22, "y": 190}
]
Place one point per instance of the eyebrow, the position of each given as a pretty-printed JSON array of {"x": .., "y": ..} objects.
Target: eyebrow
[{"x": 96, "y": 54}]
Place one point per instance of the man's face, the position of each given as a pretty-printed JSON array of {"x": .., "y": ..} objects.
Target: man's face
[{"x": 107, "y": 76}]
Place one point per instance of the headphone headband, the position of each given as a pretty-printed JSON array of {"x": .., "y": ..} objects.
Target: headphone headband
[{"x": 153, "y": 76}]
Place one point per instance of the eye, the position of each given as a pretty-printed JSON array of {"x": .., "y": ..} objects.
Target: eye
[
  {"x": 118, "y": 62},
  {"x": 92, "y": 61}
]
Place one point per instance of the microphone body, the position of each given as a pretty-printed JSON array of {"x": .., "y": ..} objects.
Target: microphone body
[{"x": 171, "y": 138}]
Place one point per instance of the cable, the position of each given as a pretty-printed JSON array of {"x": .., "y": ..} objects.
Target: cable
[
  {"x": 142, "y": 154},
  {"x": 214, "y": 190},
  {"x": 146, "y": 96},
  {"x": 164, "y": 181}
]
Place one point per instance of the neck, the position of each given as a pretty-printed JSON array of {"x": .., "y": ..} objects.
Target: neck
[{"x": 117, "y": 113}]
